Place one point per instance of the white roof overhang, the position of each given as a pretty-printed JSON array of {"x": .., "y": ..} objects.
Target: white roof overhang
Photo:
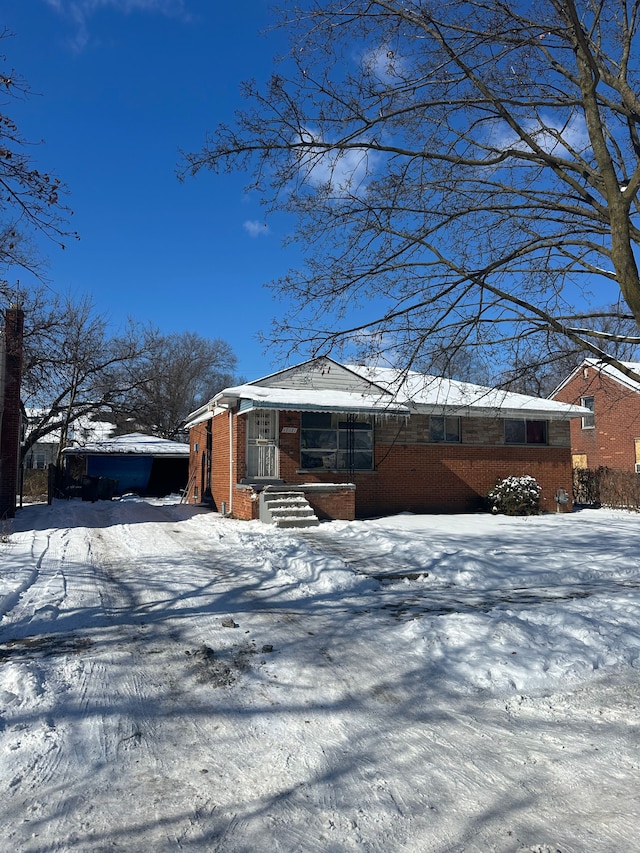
[
  {"x": 546, "y": 413},
  {"x": 459, "y": 400},
  {"x": 251, "y": 397}
]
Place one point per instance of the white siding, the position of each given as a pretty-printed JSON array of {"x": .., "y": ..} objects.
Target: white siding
[{"x": 321, "y": 374}]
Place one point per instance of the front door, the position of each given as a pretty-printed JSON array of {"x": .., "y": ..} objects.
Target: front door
[{"x": 262, "y": 444}]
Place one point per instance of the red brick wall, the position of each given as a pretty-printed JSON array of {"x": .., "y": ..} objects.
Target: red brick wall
[
  {"x": 339, "y": 504},
  {"x": 246, "y": 504},
  {"x": 433, "y": 477},
  {"x": 290, "y": 448},
  {"x": 611, "y": 442},
  {"x": 220, "y": 464},
  {"x": 454, "y": 478},
  {"x": 10, "y": 430},
  {"x": 407, "y": 477},
  {"x": 197, "y": 438}
]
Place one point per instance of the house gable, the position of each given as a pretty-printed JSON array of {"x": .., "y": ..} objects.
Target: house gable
[
  {"x": 591, "y": 370},
  {"x": 320, "y": 385},
  {"x": 321, "y": 374},
  {"x": 611, "y": 437}
]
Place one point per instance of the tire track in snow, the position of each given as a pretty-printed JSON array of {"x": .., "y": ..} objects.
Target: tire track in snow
[
  {"x": 46, "y": 581},
  {"x": 43, "y": 722},
  {"x": 120, "y": 698},
  {"x": 30, "y": 697},
  {"x": 117, "y": 694},
  {"x": 11, "y": 599},
  {"x": 192, "y": 725},
  {"x": 82, "y": 725}
]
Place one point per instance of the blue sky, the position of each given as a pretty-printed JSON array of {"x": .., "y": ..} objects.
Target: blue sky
[{"x": 119, "y": 87}]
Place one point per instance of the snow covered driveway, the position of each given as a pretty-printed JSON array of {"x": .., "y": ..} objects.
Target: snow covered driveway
[{"x": 171, "y": 680}]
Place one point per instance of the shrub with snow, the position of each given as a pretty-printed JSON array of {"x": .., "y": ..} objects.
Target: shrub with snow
[{"x": 516, "y": 496}]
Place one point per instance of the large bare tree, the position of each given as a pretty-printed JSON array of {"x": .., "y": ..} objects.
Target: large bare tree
[
  {"x": 464, "y": 175},
  {"x": 179, "y": 372},
  {"x": 75, "y": 366}
]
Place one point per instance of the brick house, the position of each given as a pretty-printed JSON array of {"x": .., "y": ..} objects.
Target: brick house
[
  {"x": 359, "y": 442},
  {"x": 610, "y": 434}
]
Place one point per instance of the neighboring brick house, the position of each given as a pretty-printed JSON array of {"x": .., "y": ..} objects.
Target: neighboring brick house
[
  {"x": 610, "y": 435},
  {"x": 359, "y": 442}
]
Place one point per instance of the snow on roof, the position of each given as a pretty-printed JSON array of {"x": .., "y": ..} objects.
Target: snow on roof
[
  {"x": 317, "y": 399},
  {"x": 616, "y": 374},
  {"x": 82, "y": 430},
  {"x": 434, "y": 393},
  {"x": 608, "y": 370},
  {"x": 134, "y": 443},
  {"x": 381, "y": 391}
]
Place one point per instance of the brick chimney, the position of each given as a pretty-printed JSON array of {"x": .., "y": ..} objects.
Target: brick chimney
[{"x": 10, "y": 429}]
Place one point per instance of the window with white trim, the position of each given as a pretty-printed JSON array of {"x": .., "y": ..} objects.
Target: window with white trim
[{"x": 588, "y": 421}]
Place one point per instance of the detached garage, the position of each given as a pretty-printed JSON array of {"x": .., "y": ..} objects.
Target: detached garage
[{"x": 137, "y": 463}]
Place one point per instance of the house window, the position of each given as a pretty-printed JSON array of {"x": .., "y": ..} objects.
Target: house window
[
  {"x": 588, "y": 421},
  {"x": 36, "y": 460},
  {"x": 336, "y": 442},
  {"x": 521, "y": 431},
  {"x": 442, "y": 428}
]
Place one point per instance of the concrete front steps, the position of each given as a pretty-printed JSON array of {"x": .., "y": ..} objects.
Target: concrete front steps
[{"x": 286, "y": 508}]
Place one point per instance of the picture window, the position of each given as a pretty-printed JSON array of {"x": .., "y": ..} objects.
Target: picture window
[{"x": 336, "y": 442}]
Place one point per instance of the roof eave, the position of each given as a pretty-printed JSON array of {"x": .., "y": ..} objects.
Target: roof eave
[
  {"x": 395, "y": 410},
  {"x": 471, "y": 411}
]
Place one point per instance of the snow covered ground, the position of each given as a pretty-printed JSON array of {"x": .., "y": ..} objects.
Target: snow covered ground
[{"x": 171, "y": 680}]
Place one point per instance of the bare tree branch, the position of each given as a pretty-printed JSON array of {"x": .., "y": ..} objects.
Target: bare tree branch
[{"x": 462, "y": 166}]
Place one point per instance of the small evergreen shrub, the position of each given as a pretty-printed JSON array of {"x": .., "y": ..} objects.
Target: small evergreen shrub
[{"x": 516, "y": 496}]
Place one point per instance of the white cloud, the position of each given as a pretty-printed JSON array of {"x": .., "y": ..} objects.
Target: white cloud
[
  {"x": 86, "y": 8},
  {"x": 255, "y": 228},
  {"x": 345, "y": 171},
  {"x": 80, "y": 12},
  {"x": 383, "y": 63},
  {"x": 551, "y": 135}
]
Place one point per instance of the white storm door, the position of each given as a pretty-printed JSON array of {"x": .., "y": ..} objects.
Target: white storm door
[{"x": 262, "y": 444}]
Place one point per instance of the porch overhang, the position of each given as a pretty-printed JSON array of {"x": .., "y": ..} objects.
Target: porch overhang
[
  {"x": 247, "y": 406},
  {"x": 250, "y": 398}
]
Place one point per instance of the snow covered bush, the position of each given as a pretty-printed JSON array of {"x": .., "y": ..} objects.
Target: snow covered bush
[{"x": 516, "y": 496}]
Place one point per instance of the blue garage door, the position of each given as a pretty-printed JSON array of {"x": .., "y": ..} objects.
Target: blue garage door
[{"x": 131, "y": 472}]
